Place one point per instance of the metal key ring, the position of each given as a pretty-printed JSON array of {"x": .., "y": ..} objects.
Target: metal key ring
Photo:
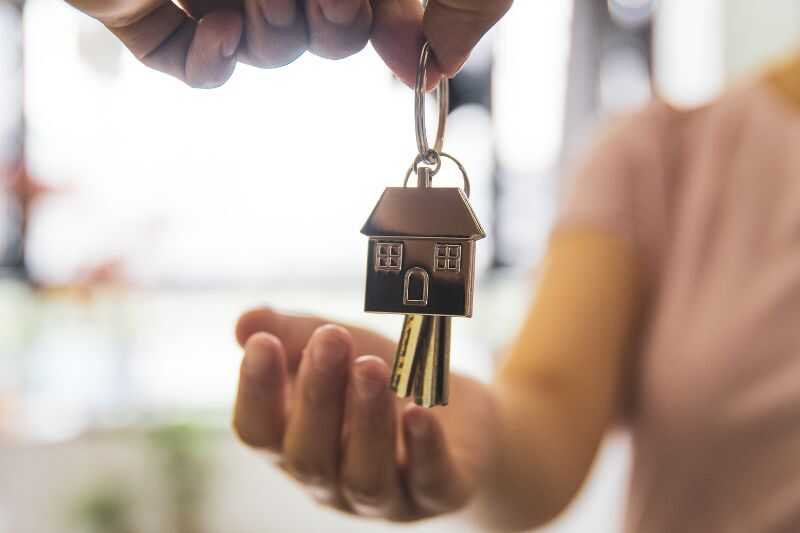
[
  {"x": 443, "y": 95},
  {"x": 438, "y": 165}
]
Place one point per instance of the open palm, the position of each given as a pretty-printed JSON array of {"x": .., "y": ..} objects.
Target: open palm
[{"x": 318, "y": 396}]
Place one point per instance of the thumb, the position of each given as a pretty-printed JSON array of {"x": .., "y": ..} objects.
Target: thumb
[{"x": 454, "y": 27}]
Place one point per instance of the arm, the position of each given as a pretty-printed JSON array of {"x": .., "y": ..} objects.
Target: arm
[{"x": 560, "y": 386}]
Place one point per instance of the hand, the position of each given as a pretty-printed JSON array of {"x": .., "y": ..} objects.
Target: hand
[
  {"x": 309, "y": 394},
  {"x": 200, "y": 44}
]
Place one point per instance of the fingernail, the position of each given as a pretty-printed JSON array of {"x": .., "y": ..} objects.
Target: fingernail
[
  {"x": 417, "y": 422},
  {"x": 259, "y": 365},
  {"x": 281, "y": 15},
  {"x": 229, "y": 48},
  {"x": 328, "y": 353},
  {"x": 230, "y": 44},
  {"x": 369, "y": 387},
  {"x": 340, "y": 12}
]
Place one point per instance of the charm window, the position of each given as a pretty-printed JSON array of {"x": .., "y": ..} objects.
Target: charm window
[
  {"x": 388, "y": 256},
  {"x": 447, "y": 258}
]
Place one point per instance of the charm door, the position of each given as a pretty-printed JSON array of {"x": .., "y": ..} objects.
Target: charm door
[{"x": 416, "y": 287}]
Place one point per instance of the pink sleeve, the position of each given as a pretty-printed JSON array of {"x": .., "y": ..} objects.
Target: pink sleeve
[{"x": 618, "y": 186}]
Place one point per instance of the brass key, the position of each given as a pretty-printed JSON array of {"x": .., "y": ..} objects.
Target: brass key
[
  {"x": 411, "y": 350},
  {"x": 422, "y": 361},
  {"x": 425, "y": 379},
  {"x": 431, "y": 385}
]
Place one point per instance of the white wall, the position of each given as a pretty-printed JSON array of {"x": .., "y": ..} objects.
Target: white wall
[{"x": 758, "y": 32}]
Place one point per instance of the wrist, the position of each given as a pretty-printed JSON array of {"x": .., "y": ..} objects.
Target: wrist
[{"x": 521, "y": 487}]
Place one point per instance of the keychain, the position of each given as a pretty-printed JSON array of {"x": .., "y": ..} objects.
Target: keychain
[{"x": 421, "y": 258}]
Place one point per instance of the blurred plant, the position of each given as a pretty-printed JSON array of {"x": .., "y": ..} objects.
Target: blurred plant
[
  {"x": 106, "y": 508},
  {"x": 184, "y": 454}
]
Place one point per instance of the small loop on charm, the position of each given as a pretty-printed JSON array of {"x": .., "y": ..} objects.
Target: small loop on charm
[
  {"x": 437, "y": 166},
  {"x": 443, "y": 95},
  {"x": 418, "y": 162},
  {"x": 431, "y": 157}
]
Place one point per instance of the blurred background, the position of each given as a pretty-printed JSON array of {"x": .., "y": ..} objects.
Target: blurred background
[{"x": 138, "y": 218}]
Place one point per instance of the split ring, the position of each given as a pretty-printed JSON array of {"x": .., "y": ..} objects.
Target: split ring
[{"x": 442, "y": 94}]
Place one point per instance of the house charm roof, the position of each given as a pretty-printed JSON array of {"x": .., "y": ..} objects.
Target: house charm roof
[{"x": 439, "y": 212}]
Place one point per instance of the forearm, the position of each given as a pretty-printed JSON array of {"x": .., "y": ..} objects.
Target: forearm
[
  {"x": 542, "y": 452},
  {"x": 559, "y": 389}
]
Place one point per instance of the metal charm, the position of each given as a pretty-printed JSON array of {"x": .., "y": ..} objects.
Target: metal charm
[{"x": 421, "y": 260}]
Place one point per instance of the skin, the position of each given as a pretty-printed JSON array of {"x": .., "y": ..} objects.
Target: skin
[
  {"x": 514, "y": 453},
  {"x": 201, "y": 41}
]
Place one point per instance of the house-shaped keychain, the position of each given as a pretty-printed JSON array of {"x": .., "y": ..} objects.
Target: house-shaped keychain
[{"x": 421, "y": 258}]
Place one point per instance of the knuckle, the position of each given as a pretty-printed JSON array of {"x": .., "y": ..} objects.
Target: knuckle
[
  {"x": 365, "y": 495},
  {"x": 309, "y": 473},
  {"x": 269, "y": 56},
  {"x": 256, "y": 439},
  {"x": 313, "y": 396},
  {"x": 333, "y": 337},
  {"x": 332, "y": 44},
  {"x": 439, "y": 495},
  {"x": 196, "y": 82},
  {"x": 432, "y": 487},
  {"x": 340, "y": 50}
]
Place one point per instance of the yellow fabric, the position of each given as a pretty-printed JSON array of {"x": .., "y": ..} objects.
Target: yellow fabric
[
  {"x": 785, "y": 77},
  {"x": 582, "y": 318}
]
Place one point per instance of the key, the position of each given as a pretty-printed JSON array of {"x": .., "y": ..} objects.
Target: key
[
  {"x": 411, "y": 350},
  {"x": 443, "y": 368},
  {"x": 422, "y": 360},
  {"x": 431, "y": 387},
  {"x": 425, "y": 378}
]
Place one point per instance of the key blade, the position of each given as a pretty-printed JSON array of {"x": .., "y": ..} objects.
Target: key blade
[
  {"x": 410, "y": 351},
  {"x": 443, "y": 361},
  {"x": 425, "y": 385}
]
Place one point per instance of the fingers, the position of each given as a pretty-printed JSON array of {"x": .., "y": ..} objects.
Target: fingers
[
  {"x": 369, "y": 477},
  {"x": 201, "y": 54},
  {"x": 398, "y": 38},
  {"x": 313, "y": 436},
  {"x": 454, "y": 27},
  {"x": 198, "y": 9},
  {"x": 279, "y": 13},
  {"x": 294, "y": 331},
  {"x": 212, "y": 54},
  {"x": 338, "y": 28},
  {"x": 434, "y": 483},
  {"x": 260, "y": 412},
  {"x": 275, "y": 31}
]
